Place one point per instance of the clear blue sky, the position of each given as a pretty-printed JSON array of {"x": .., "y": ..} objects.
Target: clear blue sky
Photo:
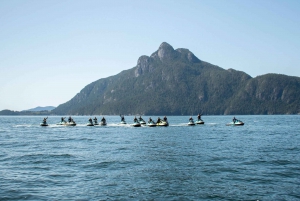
[{"x": 50, "y": 50}]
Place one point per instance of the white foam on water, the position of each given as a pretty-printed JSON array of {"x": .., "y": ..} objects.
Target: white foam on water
[
  {"x": 211, "y": 124},
  {"x": 24, "y": 126}
]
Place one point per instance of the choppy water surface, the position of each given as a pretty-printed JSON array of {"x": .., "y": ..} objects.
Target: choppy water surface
[{"x": 258, "y": 161}]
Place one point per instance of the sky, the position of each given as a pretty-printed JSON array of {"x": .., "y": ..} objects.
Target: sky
[{"x": 50, "y": 50}]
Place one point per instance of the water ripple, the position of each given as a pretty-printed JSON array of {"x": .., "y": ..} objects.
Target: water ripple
[{"x": 205, "y": 162}]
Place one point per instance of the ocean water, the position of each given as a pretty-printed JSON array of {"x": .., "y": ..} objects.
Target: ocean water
[{"x": 257, "y": 161}]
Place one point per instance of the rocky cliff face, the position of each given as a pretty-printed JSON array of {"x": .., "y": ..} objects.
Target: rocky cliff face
[
  {"x": 144, "y": 65},
  {"x": 176, "y": 82}
]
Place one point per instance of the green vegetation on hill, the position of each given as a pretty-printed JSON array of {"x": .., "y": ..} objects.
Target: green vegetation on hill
[{"x": 176, "y": 82}]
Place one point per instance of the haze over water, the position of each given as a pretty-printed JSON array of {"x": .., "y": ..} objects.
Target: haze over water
[{"x": 258, "y": 161}]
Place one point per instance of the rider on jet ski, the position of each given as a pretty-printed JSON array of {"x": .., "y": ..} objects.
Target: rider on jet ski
[
  {"x": 95, "y": 119},
  {"x": 158, "y": 120},
  {"x": 45, "y": 120},
  {"x": 199, "y": 117},
  {"x": 234, "y": 119}
]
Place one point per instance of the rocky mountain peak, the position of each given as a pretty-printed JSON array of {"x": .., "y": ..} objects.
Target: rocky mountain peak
[
  {"x": 165, "y": 46},
  {"x": 165, "y": 52}
]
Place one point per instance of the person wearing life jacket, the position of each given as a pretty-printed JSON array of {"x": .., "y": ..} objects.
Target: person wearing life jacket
[
  {"x": 45, "y": 120},
  {"x": 95, "y": 120},
  {"x": 158, "y": 120},
  {"x": 234, "y": 119}
]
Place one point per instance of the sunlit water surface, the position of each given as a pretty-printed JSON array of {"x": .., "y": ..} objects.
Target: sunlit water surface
[{"x": 257, "y": 161}]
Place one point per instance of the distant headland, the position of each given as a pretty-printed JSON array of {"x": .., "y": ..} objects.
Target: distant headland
[{"x": 34, "y": 111}]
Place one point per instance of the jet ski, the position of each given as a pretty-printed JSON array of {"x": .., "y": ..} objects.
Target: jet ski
[
  {"x": 72, "y": 123},
  {"x": 43, "y": 124},
  {"x": 90, "y": 123},
  {"x": 162, "y": 123},
  {"x": 141, "y": 120},
  {"x": 103, "y": 123},
  {"x": 61, "y": 123},
  {"x": 96, "y": 122},
  {"x": 200, "y": 121},
  {"x": 122, "y": 120},
  {"x": 151, "y": 124},
  {"x": 235, "y": 123},
  {"x": 136, "y": 124},
  {"x": 64, "y": 123},
  {"x": 191, "y": 123}
]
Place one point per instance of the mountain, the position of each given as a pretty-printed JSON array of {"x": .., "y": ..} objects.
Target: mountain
[
  {"x": 47, "y": 108},
  {"x": 11, "y": 112},
  {"x": 176, "y": 82}
]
